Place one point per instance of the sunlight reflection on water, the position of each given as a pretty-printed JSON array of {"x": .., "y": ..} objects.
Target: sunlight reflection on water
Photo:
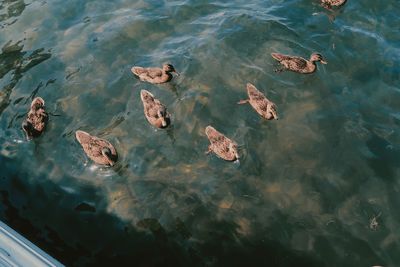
[{"x": 306, "y": 186}]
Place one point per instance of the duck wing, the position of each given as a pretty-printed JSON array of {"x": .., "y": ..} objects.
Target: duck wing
[
  {"x": 214, "y": 136},
  {"x": 254, "y": 93},
  {"x": 93, "y": 146},
  {"x": 290, "y": 62},
  {"x": 151, "y": 109},
  {"x": 335, "y": 3},
  {"x": 295, "y": 63},
  {"x": 154, "y": 109},
  {"x": 280, "y": 57},
  {"x": 38, "y": 119},
  {"x": 222, "y": 146},
  {"x": 151, "y": 73},
  {"x": 259, "y": 101},
  {"x": 155, "y": 112}
]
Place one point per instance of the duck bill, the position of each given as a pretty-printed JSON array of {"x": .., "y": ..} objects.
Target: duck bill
[
  {"x": 164, "y": 123},
  {"x": 177, "y": 73},
  {"x": 324, "y": 62},
  {"x": 110, "y": 162}
]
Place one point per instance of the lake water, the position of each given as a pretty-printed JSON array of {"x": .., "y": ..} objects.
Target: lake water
[{"x": 318, "y": 187}]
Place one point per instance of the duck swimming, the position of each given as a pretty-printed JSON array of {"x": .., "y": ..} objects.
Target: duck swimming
[
  {"x": 155, "y": 112},
  {"x": 263, "y": 106},
  {"x": 299, "y": 64},
  {"x": 99, "y": 150},
  {"x": 221, "y": 145},
  {"x": 155, "y": 75},
  {"x": 36, "y": 121},
  {"x": 329, "y": 4}
]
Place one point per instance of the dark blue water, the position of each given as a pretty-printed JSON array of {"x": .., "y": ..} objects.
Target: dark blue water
[{"x": 318, "y": 187}]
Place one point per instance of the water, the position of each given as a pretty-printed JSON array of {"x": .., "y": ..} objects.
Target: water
[{"x": 308, "y": 186}]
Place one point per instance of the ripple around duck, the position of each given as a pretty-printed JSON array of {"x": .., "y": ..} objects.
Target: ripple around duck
[{"x": 307, "y": 185}]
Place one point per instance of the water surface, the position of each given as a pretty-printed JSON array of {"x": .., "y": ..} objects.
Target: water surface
[{"x": 307, "y": 187}]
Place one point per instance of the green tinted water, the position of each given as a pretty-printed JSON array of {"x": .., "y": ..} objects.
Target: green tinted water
[{"x": 307, "y": 187}]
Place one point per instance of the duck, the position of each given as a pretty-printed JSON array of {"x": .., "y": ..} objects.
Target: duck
[
  {"x": 263, "y": 106},
  {"x": 221, "y": 145},
  {"x": 155, "y": 75},
  {"x": 299, "y": 64},
  {"x": 99, "y": 150},
  {"x": 155, "y": 112},
  {"x": 36, "y": 120},
  {"x": 329, "y": 4}
]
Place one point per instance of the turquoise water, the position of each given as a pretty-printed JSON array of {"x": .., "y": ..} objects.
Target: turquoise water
[{"x": 318, "y": 187}]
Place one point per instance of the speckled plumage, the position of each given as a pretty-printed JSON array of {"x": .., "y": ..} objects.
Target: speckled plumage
[
  {"x": 155, "y": 75},
  {"x": 155, "y": 112},
  {"x": 332, "y": 3},
  {"x": 221, "y": 145},
  {"x": 299, "y": 64},
  {"x": 263, "y": 106},
  {"x": 99, "y": 150},
  {"x": 36, "y": 120}
]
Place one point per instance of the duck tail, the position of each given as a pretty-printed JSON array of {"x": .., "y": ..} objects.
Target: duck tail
[
  {"x": 210, "y": 131},
  {"x": 278, "y": 56},
  {"x": 82, "y": 137},
  {"x": 137, "y": 70}
]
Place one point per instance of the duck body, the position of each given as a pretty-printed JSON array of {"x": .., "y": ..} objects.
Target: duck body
[
  {"x": 263, "y": 106},
  {"x": 299, "y": 64},
  {"x": 36, "y": 120},
  {"x": 155, "y": 112},
  {"x": 332, "y": 3},
  {"x": 99, "y": 150},
  {"x": 221, "y": 145},
  {"x": 155, "y": 75}
]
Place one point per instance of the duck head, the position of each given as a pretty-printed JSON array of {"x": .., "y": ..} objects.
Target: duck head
[
  {"x": 169, "y": 68},
  {"x": 233, "y": 149},
  {"x": 272, "y": 114},
  {"x": 163, "y": 116},
  {"x": 106, "y": 152},
  {"x": 315, "y": 57}
]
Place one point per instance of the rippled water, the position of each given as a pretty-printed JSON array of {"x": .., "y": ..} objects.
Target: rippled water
[{"x": 318, "y": 187}]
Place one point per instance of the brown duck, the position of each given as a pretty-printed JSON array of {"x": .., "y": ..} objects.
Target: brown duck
[
  {"x": 36, "y": 121},
  {"x": 221, "y": 145},
  {"x": 155, "y": 112},
  {"x": 263, "y": 106},
  {"x": 99, "y": 150},
  {"x": 329, "y": 4},
  {"x": 299, "y": 64},
  {"x": 155, "y": 75}
]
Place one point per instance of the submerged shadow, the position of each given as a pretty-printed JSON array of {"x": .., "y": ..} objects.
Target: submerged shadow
[
  {"x": 14, "y": 59},
  {"x": 11, "y": 9},
  {"x": 80, "y": 234}
]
